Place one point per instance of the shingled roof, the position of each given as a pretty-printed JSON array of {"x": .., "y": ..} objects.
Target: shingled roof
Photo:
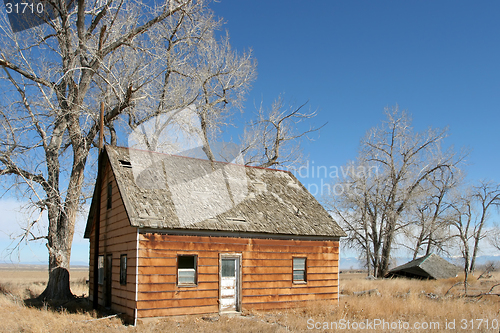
[
  {"x": 161, "y": 191},
  {"x": 430, "y": 266}
]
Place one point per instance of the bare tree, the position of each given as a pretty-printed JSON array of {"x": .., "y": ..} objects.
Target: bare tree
[
  {"x": 274, "y": 137},
  {"x": 471, "y": 214},
  {"x": 355, "y": 203},
  {"x": 141, "y": 59},
  {"x": 487, "y": 196},
  {"x": 381, "y": 201},
  {"x": 494, "y": 238},
  {"x": 429, "y": 229}
]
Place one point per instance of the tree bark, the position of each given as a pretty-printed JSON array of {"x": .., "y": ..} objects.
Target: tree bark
[
  {"x": 466, "y": 272},
  {"x": 58, "y": 285},
  {"x": 385, "y": 257}
]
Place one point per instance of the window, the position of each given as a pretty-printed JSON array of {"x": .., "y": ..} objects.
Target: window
[
  {"x": 110, "y": 194},
  {"x": 186, "y": 270},
  {"x": 123, "y": 269},
  {"x": 228, "y": 267},
  {"x": 299, "y": 269},
  {"x": 100, "y": 270},
  {"x": 125, "y": 164}
]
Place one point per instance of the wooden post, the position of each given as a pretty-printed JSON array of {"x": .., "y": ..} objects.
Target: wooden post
[
  {"x": 95, "y": 291},
  {"x": 101, "y": 128}
]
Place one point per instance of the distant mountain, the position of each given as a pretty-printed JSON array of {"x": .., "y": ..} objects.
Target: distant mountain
[
  {"x": 481, "y": 260},
  {"x": 345, "y": 262},
  {"x": 354, "y": 263},
  {"x": 350, "y": 263}
]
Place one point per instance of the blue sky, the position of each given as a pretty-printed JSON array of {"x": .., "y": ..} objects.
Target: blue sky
[{"x": 440, "y": 60}]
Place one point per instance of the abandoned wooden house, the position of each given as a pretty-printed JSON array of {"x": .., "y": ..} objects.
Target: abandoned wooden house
[
  {"x": 172, "y": 235},
  {"x": 430, "y": 267}
]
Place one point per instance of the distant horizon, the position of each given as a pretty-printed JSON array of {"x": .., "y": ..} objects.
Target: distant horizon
[
  {"x": 36, "y": 263},
  {"x": 346, "y": 262}
]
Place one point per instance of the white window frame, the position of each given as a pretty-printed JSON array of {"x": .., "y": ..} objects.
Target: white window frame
[
  {"x": 194, "y": 270},
  {"x": 301, "y": 281}
]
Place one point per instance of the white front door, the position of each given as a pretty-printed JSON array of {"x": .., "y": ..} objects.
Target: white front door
[{"x": 229, "y": 283}]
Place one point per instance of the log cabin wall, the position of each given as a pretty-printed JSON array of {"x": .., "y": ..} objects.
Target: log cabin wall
[
  {"x": 267, "y": 281},
  {"x": 116, "y": 238}
]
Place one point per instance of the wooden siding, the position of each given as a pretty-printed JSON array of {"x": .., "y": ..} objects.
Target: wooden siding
[
  {"x": 116, "y": 237},
  {"x": 266, "y": 273}
]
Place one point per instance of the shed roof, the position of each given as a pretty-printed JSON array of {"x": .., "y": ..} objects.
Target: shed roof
[
  {"x": 163, "y": 191},
  {"x": 430, "y": 266}
]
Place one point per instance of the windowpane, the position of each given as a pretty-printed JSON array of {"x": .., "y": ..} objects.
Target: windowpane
[
  {"x": 123, "y": 269},
  {"x": 228, "y": 267},
  {"x": 186, "y": 276},
  {"x": 299, "y": 275},
  {"x": 299, "y": 263},
  {"x": 186, "y": 261},
  {"x": 100, "y": 270}
]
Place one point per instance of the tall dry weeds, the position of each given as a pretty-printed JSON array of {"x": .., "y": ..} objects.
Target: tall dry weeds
[{"x": 397, "y": 300}]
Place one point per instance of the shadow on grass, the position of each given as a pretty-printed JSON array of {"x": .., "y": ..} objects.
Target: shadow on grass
[{"x": 76, "y": 305}]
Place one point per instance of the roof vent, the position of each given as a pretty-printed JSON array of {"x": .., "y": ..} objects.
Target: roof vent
[
  {"x": 236, "y": 219},
  {"x": 125, "y": 164}
]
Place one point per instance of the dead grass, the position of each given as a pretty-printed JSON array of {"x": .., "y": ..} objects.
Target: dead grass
[
  {"x": 30, "y": 281},
  {"x": 396, "y": 301},
  {"x": 413, "y": 301}
]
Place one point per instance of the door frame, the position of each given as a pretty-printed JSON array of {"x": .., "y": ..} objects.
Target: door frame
[{"x": 236, "y": 256}]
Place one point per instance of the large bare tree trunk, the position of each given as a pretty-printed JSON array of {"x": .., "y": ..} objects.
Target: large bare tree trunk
[
  {"x": 59, "y": 246},
  {"x": 62, "y": 220},
  {"x": 386, "y": 254},
  {"x": 466, "y": 269},
  {"x": 58, "y": 285}
]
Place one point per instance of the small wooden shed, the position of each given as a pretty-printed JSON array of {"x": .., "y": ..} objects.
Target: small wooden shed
[{"x": 171, "y": 235}]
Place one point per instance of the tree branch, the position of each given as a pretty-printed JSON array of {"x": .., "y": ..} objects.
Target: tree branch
[{"x": 8, "y": 64}]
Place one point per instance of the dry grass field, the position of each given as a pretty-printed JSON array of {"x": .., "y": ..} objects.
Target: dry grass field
[{"x": 397, "y": 305}]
